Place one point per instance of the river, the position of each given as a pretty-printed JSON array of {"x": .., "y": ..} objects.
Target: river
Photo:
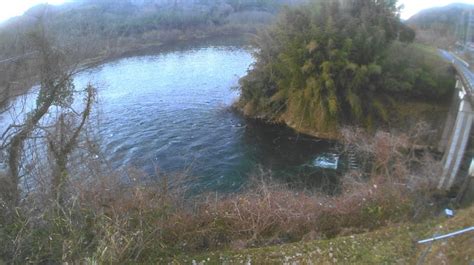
[{"x": 169, "y": 111}]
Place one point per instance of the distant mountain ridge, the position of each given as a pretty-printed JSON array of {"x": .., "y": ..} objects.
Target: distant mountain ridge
[
  {"x": 446, "y": 14},
  {"x": 442, "y": 26},
  {"x": 104, "y": 24}
]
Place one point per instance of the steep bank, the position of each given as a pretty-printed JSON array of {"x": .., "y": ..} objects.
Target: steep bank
[{"x": 403, "y": 116}]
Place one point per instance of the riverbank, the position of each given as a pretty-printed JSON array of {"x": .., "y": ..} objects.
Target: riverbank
[
  {"x": 404, "y": 115},
  {"x": 83, "y": 58},
  {"x": 24, "y": 86},
  {"x": 156, "y": 47},
  {"x": 143, "y": 222}
]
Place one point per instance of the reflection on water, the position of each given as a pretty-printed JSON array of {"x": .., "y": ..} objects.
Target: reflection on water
[{"x": 169, "y": 111}]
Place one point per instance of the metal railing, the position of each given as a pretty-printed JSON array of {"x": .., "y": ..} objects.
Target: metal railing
[
  {"x": 469, "y": 229},
  {"x": 464, "y": 73},
  {"x": 466, "y": 79}
]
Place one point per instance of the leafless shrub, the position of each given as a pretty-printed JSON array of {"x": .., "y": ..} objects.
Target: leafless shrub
[{"x": 121, "y": 217}]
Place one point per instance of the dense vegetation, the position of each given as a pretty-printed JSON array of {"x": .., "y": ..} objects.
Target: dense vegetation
[
  {"x": 338, "y": 62},
  {"x": 102, "y": 221},
  {"x": 323, "y": 65},
  {"x": 442, "y": 26},
  {"x": 104, "y": 27}
]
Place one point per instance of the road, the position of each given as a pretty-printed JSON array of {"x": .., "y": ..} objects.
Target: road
[{"x": 462, "y": 68}]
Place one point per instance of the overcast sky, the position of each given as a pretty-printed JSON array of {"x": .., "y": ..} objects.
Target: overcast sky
[
  {"x": 11, "y": 8},
  {"x": 413, "y": 6}
]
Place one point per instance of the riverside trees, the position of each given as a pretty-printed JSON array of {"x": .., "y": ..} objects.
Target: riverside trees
[
  {"x": 56, "y": 91},
  {"x": 325, "y": 64}
]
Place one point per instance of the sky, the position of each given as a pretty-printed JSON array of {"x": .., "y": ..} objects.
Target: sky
[
  {"x": 414, "y": 6},
  {"x": 11, "y": 8}
]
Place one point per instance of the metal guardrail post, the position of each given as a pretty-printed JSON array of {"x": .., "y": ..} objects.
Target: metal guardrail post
[{"x": 456, "y": 233}]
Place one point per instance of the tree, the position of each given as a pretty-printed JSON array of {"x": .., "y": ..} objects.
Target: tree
[
  {"x": 320, "y": 65},
  {"x": 56, "y": 89},
  {"x": 64, "y": 138},
  {"x": 407, "y": 34}
]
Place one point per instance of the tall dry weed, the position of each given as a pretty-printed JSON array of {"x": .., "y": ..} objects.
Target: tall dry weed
[{"x": 112, "y": 220}]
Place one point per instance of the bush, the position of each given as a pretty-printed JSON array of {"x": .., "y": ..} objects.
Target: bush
[
  {"x": 417, "y": 71},
  {"x": 106, "y": 221}
]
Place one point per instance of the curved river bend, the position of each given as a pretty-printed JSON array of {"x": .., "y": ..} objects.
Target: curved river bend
[{"x": 169, "y": 111}]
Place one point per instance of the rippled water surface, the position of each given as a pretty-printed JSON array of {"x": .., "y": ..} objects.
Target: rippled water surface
[{"x": 170, "y": 111}]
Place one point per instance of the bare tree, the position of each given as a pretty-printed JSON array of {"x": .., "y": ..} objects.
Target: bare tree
[
  {"x": 64, "y": 139},
  {"x": 56, "y": 89}
]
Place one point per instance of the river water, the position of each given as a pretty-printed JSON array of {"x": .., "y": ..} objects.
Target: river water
[{"x": 169, "y": 111}]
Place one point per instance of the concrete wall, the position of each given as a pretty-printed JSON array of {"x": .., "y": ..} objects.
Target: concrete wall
[{"x": 455, "y": 138}]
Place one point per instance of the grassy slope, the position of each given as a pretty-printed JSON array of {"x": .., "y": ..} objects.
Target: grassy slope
[{"x": 393, "y": 244}]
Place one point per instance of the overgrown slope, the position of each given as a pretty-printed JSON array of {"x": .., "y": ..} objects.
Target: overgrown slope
[{"x": 395, "y": 244}]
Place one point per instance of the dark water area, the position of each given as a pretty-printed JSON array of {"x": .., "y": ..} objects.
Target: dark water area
[{"x": 169, "y": 111}]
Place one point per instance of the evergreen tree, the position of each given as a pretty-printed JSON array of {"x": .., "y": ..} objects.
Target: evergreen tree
[{"x": 321, "y": 65}]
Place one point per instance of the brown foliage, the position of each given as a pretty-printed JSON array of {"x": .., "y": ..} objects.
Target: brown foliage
[{"x": 107, "y": 221}]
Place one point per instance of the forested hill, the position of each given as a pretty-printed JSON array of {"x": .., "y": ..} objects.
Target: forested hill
[
  {"x": 136, "y": 16},
  {"x": 90, "y": 31},
  {"x": 130, "y": 17},
  {"x": 103, "y": 26},
  {"x": 442, "y": 26}
]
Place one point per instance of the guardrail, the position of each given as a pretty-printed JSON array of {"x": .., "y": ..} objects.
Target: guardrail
[
  {"x": 460, "y": 59},
  {"x": 466, "y": 77}
]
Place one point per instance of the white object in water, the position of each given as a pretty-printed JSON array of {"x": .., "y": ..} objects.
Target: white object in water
[{"x": 328, "y": 161}]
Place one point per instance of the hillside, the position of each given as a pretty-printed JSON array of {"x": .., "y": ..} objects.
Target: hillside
[
  {"x": 105, "y": 27},
  {"x": 92, "y": 31},
  {"x": 442, "y": 26}
]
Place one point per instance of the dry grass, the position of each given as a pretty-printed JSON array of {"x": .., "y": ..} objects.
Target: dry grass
[{"x": 106, "y": 221}]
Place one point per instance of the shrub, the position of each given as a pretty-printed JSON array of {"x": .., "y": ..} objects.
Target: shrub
[{"x": 106, "y": 221}]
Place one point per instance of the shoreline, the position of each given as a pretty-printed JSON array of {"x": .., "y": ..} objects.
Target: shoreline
[
  {"x": 409, "y": 113},
  {"x": 147, "y": 48}
]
